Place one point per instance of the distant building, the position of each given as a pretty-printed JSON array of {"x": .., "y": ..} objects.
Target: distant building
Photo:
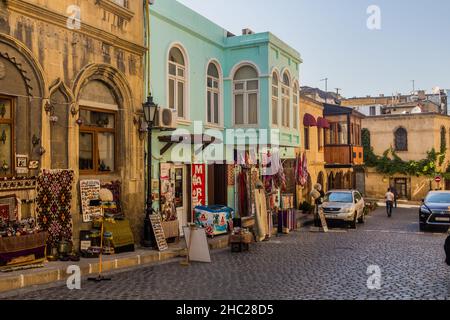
[
  {"x": 419, "y": 102},
  {"x": 320, "y": 95}
]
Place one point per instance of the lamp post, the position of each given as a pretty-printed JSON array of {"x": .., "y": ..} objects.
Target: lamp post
[{"x": 150, "y": 109}]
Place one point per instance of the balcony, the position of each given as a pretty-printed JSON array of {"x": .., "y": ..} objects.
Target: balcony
[{"x": 344, "y": 155}]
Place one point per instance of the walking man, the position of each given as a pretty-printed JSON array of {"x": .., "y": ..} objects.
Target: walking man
[
  {"x": 390, "y": 198},
  {"x": 394, "y": 191}
]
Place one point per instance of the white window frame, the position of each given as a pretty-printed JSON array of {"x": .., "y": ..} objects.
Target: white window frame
[
  {"x": 285, "y": 97},
  {"x": 246, "y": 93},
  {"x": 212, "y": 91},
  {"x": 275, "y": 99},
  {"x": 184, "y": 80},
  {"x": 295, "y": 107}
]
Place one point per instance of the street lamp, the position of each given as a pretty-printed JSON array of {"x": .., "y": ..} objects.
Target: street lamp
[{"x": 150, "y": 109}]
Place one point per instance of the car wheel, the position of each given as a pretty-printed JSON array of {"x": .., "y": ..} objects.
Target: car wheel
[
  {"x": 423, "y": 227},
  {"x": 362, "y": 219},
  {"x": 354, "y": 222}
]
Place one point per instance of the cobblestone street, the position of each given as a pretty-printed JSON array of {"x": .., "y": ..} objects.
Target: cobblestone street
[{"x": 302, "y": 265}]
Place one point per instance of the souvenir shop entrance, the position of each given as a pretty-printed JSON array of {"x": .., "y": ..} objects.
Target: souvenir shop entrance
[{"x": 182, "y": 203}]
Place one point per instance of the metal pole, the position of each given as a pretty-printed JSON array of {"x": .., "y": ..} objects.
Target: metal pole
[{"x": 148, "y": 232}]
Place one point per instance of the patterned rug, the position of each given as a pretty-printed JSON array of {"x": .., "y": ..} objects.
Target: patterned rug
[{"x": 53, "y": 204}]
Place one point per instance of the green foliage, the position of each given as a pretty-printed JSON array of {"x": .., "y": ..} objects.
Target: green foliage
[{"x": 390, "y": 163}]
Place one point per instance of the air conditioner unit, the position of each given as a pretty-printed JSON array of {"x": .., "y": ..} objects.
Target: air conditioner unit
[{"x": 165, "y": 119}]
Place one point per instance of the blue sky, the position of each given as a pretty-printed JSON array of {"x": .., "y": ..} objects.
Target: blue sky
[{"x": 334, "y": 41}]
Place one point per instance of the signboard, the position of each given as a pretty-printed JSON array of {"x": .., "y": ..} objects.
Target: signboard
[
  {"x": 198, "y": 186},
  {"x": 89, "y": 190},
  {"x": 158, "y": 231},
  {"x": 197, "y": 244},
  {"x": 323, "y": 221}
]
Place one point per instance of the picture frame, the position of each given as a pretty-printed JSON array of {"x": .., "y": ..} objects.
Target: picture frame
[{"x": 21, "y": 161}]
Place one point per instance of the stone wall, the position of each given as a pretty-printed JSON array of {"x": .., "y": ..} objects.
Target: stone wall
[{"x": 60, "y": 62}]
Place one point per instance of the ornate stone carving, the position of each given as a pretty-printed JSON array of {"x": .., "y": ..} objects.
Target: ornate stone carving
[{"x": 2, "y": 70}]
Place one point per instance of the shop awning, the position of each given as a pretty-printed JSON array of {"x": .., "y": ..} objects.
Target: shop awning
[
  {"x": 204, "y": 140},
  {"x": 309, "y": 120},
  {"x": 323, "y": 123}
]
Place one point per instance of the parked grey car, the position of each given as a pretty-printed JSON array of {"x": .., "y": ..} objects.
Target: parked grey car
[{"x": 344, "y": 205}]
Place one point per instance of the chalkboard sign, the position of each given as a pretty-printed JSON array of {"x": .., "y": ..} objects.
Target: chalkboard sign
[
  {"x": 323, "y": 221},
  {"x": 158, "y": 231}
]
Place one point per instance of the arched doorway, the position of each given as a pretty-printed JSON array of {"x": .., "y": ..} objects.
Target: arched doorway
[
  {"x": 338, "y": 181},
  {"x": 321, "y": 181}
]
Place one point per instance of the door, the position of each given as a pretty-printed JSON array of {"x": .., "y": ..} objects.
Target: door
[
  {"x": 181, "y": 197},
  {"x": 401, "y": 185},
  {"x": 217, "y": 184}
]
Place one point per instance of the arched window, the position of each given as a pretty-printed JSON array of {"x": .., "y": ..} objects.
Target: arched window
[
  {"x": 177, "y": 82},
  {"x": 401, "y": 139},
  {"x": 286, "y": 100},
  {"x": 246, "y": 95},
  {"x": 213, "y": 94},
  {"x": 295, "y": 107},
  {"x": 443, "y": 140},
  {"x": 275, "y": 99}
]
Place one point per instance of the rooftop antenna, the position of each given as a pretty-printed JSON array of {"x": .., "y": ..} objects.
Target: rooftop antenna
[
  {"x": 326, "y": 84},
  {"x": 337, "y": 90}
]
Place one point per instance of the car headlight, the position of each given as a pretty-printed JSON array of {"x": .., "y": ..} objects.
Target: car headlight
[
  {"x": 348, "y": 210},
  {"x": 424, "y": 209}
]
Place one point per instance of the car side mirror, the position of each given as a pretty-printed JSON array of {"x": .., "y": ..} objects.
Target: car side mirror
[{"x": 423, "y": 200}]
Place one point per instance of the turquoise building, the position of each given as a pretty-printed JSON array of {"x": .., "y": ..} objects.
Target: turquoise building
[{"x": 212, "y": 82}]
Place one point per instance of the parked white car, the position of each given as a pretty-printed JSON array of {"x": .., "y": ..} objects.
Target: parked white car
[{"x": 344, "y": 205}]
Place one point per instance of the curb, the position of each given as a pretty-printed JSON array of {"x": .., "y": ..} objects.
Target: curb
[{"x": 53, "y": 273}]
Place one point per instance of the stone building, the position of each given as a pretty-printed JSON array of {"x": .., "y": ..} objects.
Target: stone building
[
  {"x": 411, "y": 136},
  {"x": 313, "y": 144},
  {"x": 213, "y": 82},
  {"x": 64, "y": 68}
]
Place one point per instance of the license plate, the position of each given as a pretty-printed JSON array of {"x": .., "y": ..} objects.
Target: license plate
[{"x": 443, "y": 219}]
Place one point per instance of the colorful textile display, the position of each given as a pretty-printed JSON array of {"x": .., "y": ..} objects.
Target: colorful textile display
[
  {"x": 243, "y": 197},
  {"x": 9, "y": 208},
  {"x": 22, "y": 250},
  {"x": 122, "y": 236},
  {"x": 114, "y": 187},
  {"x": 53, "y": 202}
]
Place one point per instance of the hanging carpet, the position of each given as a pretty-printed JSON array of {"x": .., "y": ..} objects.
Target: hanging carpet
[
  {"x": 53, "y": 204},
  {"x": 114, "y": 187}
]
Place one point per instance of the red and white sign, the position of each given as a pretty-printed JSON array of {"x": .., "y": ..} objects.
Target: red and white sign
[
  {"x": 438, "y": 179},
  {"x": 198, "y": 185}
]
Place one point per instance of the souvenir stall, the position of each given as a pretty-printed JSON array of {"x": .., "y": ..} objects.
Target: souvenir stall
[
  {"x": 22, "y": 241},
  {"x": 168, "y": 201},
  {"x": 101, "y": 206}
]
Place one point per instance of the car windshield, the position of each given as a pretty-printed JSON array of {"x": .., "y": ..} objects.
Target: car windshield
[
  {"x": 438, "y": 198},
  {"x": 343, "y": 197}
]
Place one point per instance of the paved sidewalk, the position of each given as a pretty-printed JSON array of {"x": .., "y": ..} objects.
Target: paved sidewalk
[{"x": 57, "y": 271}]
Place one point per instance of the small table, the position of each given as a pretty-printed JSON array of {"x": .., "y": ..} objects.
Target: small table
[{"x": 240, "y": 243}]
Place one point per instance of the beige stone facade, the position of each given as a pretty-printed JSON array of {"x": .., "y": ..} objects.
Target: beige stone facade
[
  {"x": 423, "y": 134},
  {"x": 315, "y": 152},
  {"x": 51, "y": 69}
]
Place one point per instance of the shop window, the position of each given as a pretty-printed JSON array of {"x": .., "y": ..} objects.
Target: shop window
[
  {"x": 401, "y": 139},
  {"x": 177, "y": 82},
  {"x": 213, "y": 95},
  {"x": 306, "y": 134},
  {"x": 246, "y": 96},
  {"x": 6, "y": 136},
  {"x": 319, "y": 138},
  {"x": 295, "y": 107},
  {"x": 286, "y": 101},
  {"x": 97, "y": 141}
]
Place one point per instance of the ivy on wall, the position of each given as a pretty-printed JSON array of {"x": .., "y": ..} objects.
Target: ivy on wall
[{"x": 390, "y": 163}]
